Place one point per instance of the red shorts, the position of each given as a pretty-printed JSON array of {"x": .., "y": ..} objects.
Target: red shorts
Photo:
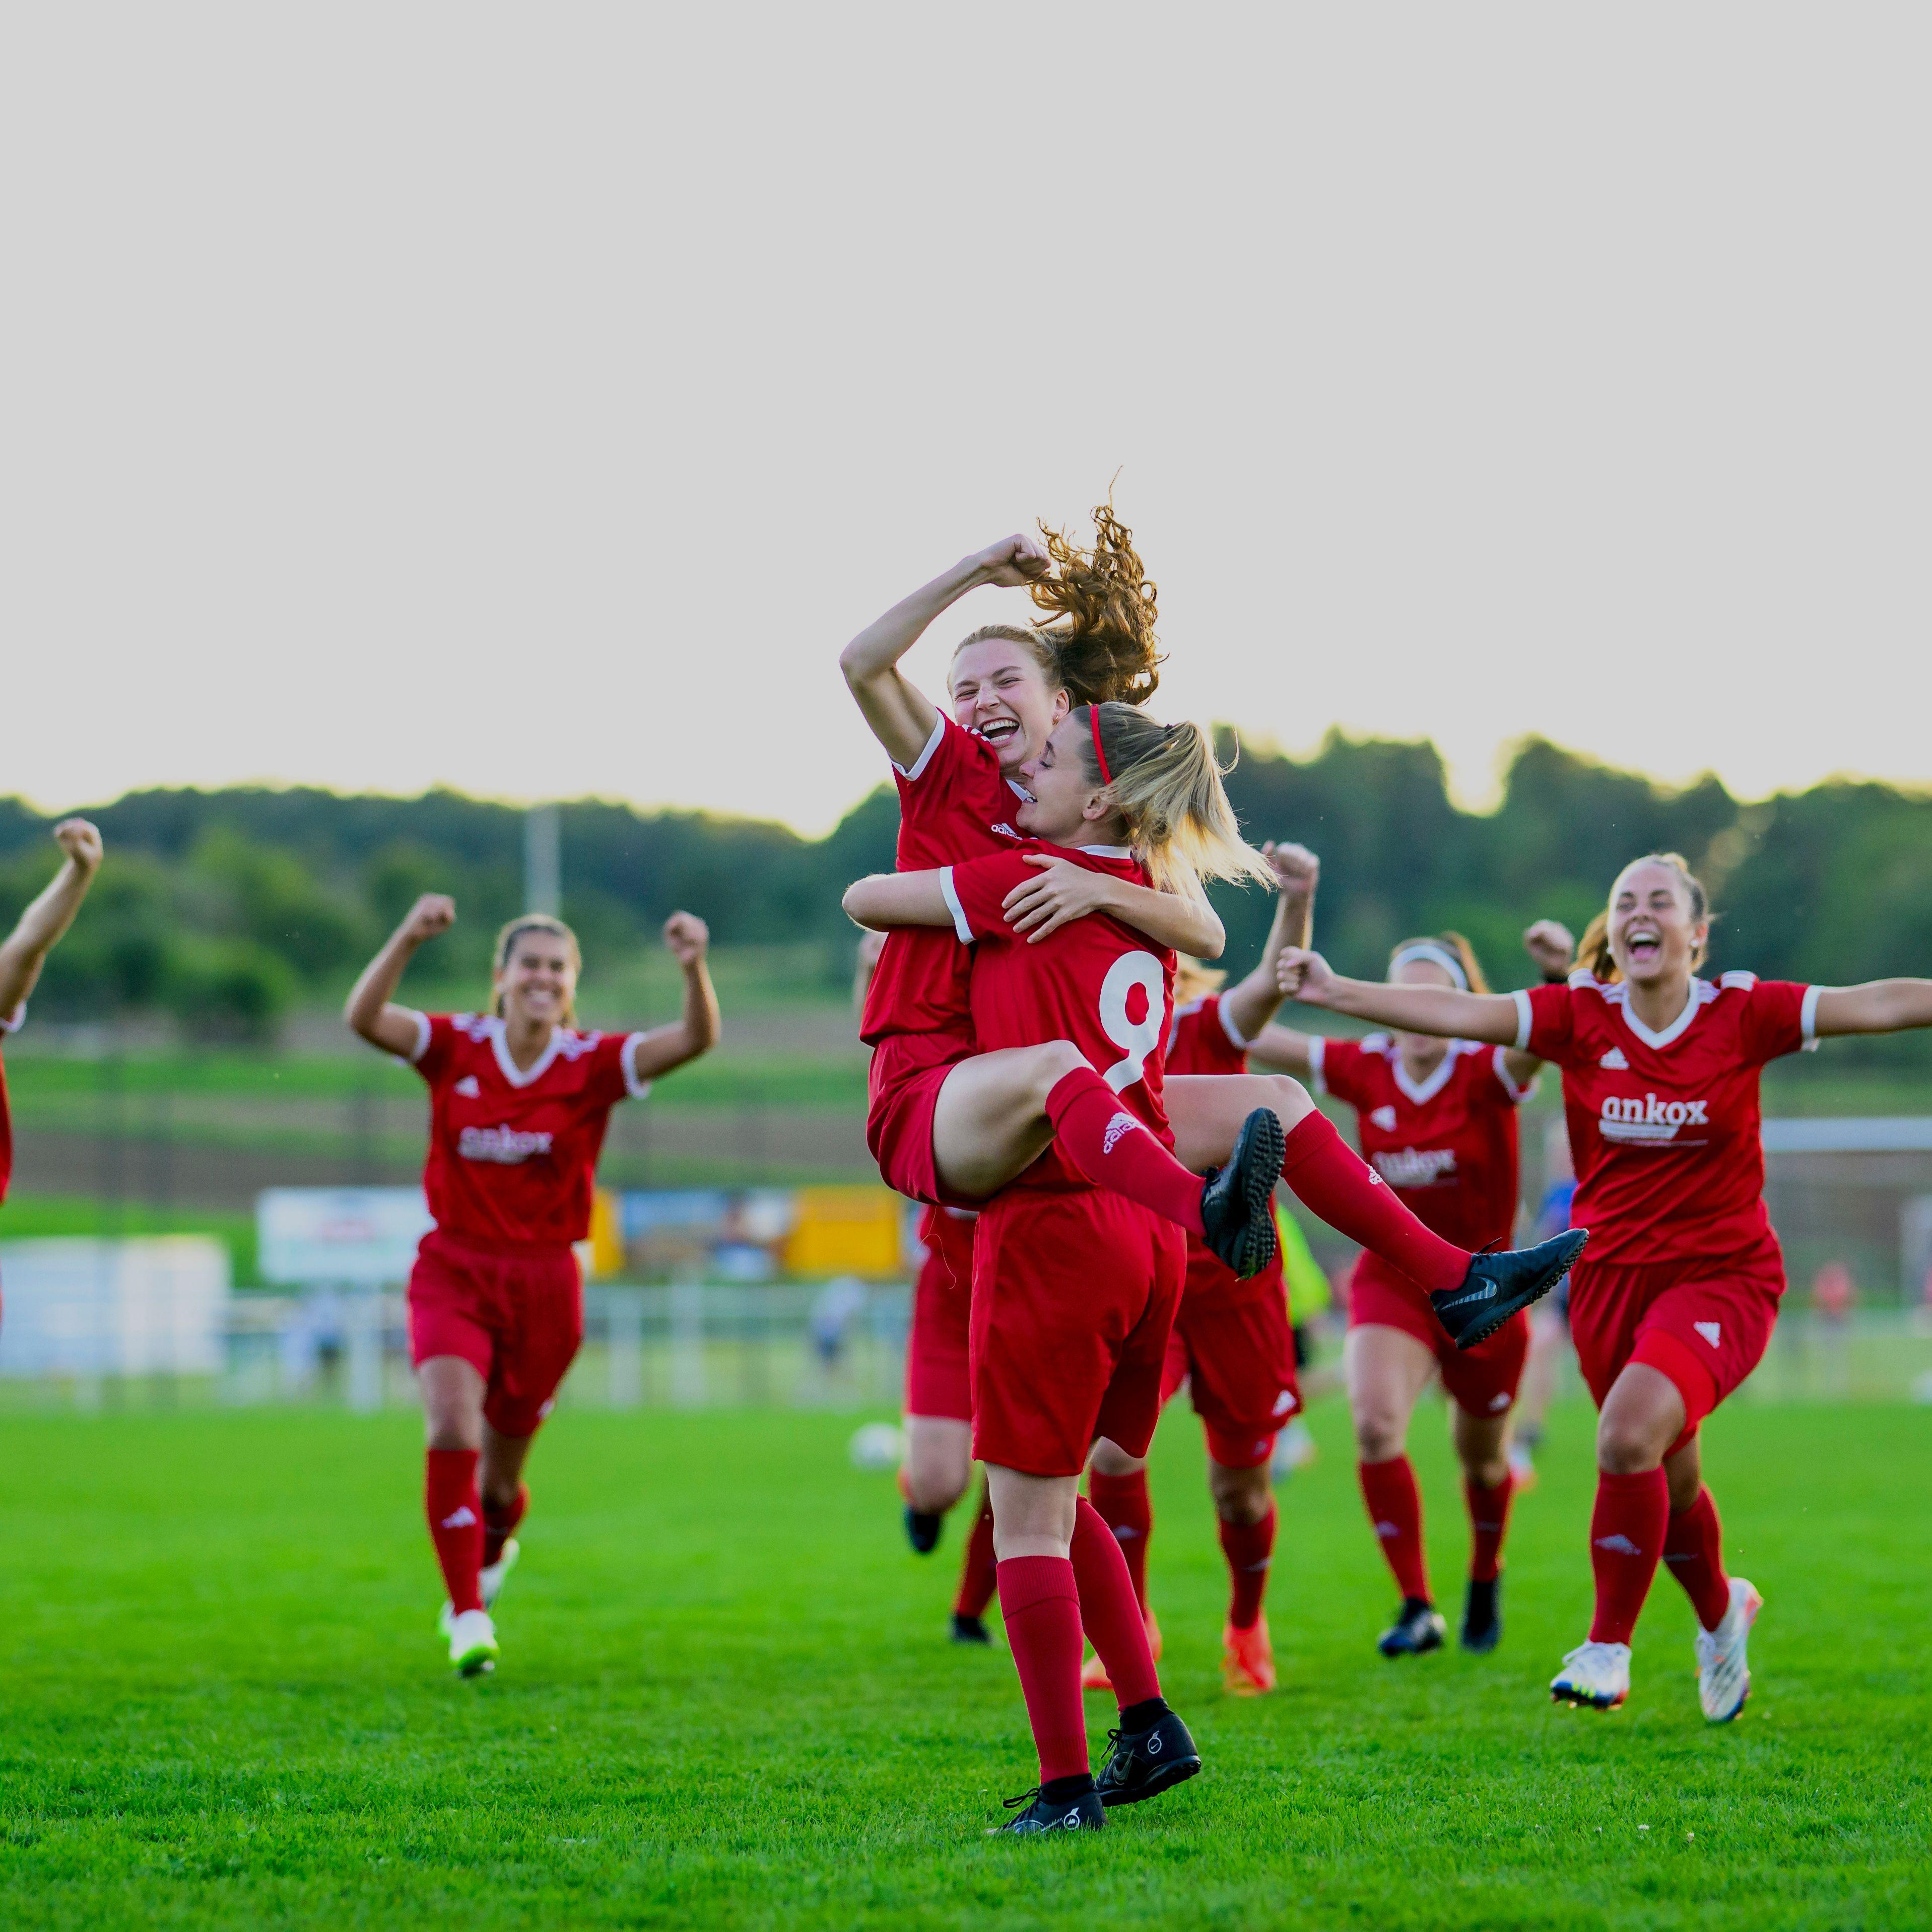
[
  {"x": 1481, "y": 1381},
  {"x": 1073, "y": 1294},
  {"x": 1704, "y": 1324},
  {"x": 515, "y": 1314},
  {"x": 1237, "y": 1356},
  {"x": 904, "y": 1089},
  {"x": 939, "y": 1379}
]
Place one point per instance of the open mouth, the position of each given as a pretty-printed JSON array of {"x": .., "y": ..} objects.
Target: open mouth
[
  {"x": 1645, "y": 949},
  {"x": 1000, "y": 732}
]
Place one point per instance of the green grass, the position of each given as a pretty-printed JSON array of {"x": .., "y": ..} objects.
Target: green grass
[{"x": 725, "y": 1700}]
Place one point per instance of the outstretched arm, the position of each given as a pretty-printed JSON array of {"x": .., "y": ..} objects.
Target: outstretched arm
[
  {"x": 1879, "y": 1006},
  {"x": 369, "y": 1009},
  {"x": 24, "y": 951},
  {"x": 1250, "y": 1004},
  {"x": 901, "y": 716},
  {"x": 688, "y": 939},
  {"x": 1441, "y": 1010},
  {"x": 887, "y": 899},
  {"x": 1281, "y": 1050},
  {"x": 1551, "y": 946}
]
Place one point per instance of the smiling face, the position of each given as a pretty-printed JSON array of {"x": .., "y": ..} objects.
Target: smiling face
[
  {"x": 999, "y": 690},
  {"x": 537, "y": 984},
  {"x": 1067, "y": 799},
  {"x": 1655, "y": 934}
]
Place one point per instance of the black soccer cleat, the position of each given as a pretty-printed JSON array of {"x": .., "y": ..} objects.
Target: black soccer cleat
[
  {"x": 1143, "y": 1764},
  {"x": 1237, "y": 1204},
  {"x": 1482, "y": 1614},
  {"x": 970, "y": 1630},
  {"x": 1081, "y": 1812},
  {"x": 1418, "y": 1628},
  {"x": 922, "y": 1529},
  {"x": 1498, "y": 1284}
]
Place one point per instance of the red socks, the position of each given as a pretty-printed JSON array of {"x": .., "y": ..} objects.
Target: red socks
[
  {"x": 1041, "y": 1608},
  {"x": 978, "y": 1569},
  {"x": 1626, "y": 1538},
  {"x": 1693, "y": 1548},
  {"x": 1109, "y": 1610},
  {"x": 1123, "y": 1505},
  {"x": 455, "y": 1515},
  {"x": 1249, "y": 1549},
  {"x": 1113, "y": 1150},
  {"x": 1331, "y": 1180},
  {"x": 1395, "y": 1508},
  {"x": 1489, "y": 1520},
  {"x": 500, "y": 1524}
]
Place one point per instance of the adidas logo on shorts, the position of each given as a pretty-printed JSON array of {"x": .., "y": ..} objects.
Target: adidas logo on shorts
[{"x": 1120, "y": 1124}]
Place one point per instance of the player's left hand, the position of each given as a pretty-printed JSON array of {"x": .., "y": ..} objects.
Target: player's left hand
[
  {"x": 1549, "y": 944},
  {"x": 1062, "y": 893},
  {"x": 686, "y": 937},
  {"x": 80, "y": 839},
  {"x": 1296, "y": 870}
]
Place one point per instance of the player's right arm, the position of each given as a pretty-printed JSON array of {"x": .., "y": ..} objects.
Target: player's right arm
[
  {"x": 370, "y": 1010},
  {"x": 1441, "y": 1010},
  {"x": 1252, "y": 1002},
  {"x": 901, "y": 716},
  {"x": 887, "y": 899},
  {"x": 24, "y": 951}
]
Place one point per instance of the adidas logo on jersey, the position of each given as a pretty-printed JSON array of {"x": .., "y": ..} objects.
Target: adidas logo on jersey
[
  {"x": 1431, "y": 1168},
  {"x": 506, "y": 1146},
  {"x": 1619, "y": 1545},
  {"x": 1710, "y": 1331},
  {"x": 468, "y": 1087},
  {"x": 1120, "y": 1125},
  {"x": 1384, "y": 1117},
  {"x": 1649, "y": 1121},
  {"x": 1614, "y": 1061}
]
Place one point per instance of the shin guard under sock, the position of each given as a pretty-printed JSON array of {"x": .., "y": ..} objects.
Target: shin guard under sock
[
  {"x": 1626, "y": 1539},
  {"x": 455, "y": 1513},
  {"x": 1124, "y": 1506},
  {"x": 1108, "y": 1610},
  {"x": 1249, "y": 1549},
  {"x": 1694, "y": 1551},
  {"x": 1087, "y": 1120},
  {"x": 1040, "y": 1607},
  {"x": 1329, "y": 1178}
]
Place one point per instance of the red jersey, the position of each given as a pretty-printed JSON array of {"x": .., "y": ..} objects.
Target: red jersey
[
  {"x": 1446, "y": 1145},
  {"x": 953, "y": 804},
  {"x": 1094, "y": 982},
  {"x": 1664, "y": 1127},
  {"x": 12, "y": 1025},
  {"x": 1203, "y": 1040},
  {"x": 513, "y": 1155}
]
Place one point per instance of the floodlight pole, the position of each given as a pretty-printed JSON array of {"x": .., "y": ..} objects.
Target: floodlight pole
[{"x": 543, "y": 859}]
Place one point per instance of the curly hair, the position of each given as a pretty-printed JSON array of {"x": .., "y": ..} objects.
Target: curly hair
[{"x": 1097, "y": 641}]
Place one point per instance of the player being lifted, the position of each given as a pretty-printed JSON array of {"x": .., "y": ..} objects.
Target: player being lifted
[
  {"x": 24, "y": 951},
  {"x": 1675, "y": 1304},
  {"x": 1438, "y": 1120},
  {"x": 520, "y": 1097}
]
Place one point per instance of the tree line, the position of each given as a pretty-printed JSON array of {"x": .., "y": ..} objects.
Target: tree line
[{"x": 225, "y": 908}]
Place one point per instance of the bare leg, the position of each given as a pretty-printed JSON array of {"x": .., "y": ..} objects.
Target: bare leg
[
  {"x": 500, "y": 1473},
  {"x": 1242, "y": 1496},
  {"x": 1387, "y": 1369},
  {"x": 1109, "y": 1459},
  {"x": 1033, "y": 1516},
  {"x": 1206, "y": 1111},
  {"x": 938, "y": 1462},
  {"x": 990, "y": 1123},
  {"x": 452, "y": 1399},
  {"x": 1482, "y": 1445},
  {"x": 1643, "y": 1415}
]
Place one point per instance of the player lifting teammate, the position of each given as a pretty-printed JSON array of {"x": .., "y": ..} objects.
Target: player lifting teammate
[
  {"x": 1674, "y": 1305},
  {"x": 519, "y": 1100},
  {"x": 1074, "y": 1288}
]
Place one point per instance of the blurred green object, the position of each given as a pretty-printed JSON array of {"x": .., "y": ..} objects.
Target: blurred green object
[{"x": 1308, "y": 1290}]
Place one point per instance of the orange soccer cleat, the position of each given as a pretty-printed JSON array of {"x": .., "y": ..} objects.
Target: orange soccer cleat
[
  {"x": 1093, "y": 1673},
  {"x": 1247, "y": 1660}
]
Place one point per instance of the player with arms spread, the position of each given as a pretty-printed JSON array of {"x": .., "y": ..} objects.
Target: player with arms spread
[
  {"x": 1074, "y": 1287},
  {"x": 520, "y": 1098},
  {"x": 1674, "y": 1305}
]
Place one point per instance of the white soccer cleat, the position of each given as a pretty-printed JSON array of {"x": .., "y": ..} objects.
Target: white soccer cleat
[
  {"x": 1723, "y": 1676},
  {"x": 489, "y": 1581},
  {"x": 473, "y": 1643},
  {"x": 1596, "y": 1675}
]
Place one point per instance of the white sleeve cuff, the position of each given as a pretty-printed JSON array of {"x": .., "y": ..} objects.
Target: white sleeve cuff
[
  {"x": 911, "y": 773},
  {"x": 627, "y": 1058},
  {"x": 961, "y": 925},
  {"x": 1518, "y": 1094},
  {"x": 1524, "y": 1018},
  {"x": 1807, "y": 1016},
  {"x": 1228, "y": 1026},
  {"x": 1318, "y": 1048},
  {"x": 416, "y": 1053},
  {"x": 16, "y": 1020}
]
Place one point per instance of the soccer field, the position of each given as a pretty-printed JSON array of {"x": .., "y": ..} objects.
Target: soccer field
[{"x": 725, "y": 1699}]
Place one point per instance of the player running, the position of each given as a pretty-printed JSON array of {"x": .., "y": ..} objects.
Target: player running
[
  {"x": 24, "y": 951},
  {"x": 950, "y": 1126},
  {"x": 1438, "y": 1120},
  {"x": 1675, "y": 1306},
  {"x": 1231, "y": 1343},
  {"x": 519, "y": 1100},
  {"x": 1074, "y": 1287}
]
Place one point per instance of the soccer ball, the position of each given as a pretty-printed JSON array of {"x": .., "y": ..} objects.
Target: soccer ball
[{"x": 878, "y": 1445}]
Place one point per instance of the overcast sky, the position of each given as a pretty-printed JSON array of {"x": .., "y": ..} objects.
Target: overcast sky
[{"x": 535, "y": 400}]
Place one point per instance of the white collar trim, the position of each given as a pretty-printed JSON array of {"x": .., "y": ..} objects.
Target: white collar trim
[
  {"x": 1104, "y": 851},
  {"x": 1419, "y": 1093},
  {"x": 1702, "y": 992},
  {"x": 499, "y": 1045}
]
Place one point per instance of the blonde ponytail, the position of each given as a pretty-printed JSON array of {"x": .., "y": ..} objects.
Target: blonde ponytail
[{"x": 1163, "y": 782}]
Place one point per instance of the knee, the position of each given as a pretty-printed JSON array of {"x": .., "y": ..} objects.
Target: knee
[
  {"x": 1485, "y": 1468},
  {"x": 1380, "y": 1433},
  {"x": 1109, "y": 1459},
  {"x": 1625, "y": 1448},
  {"x": 1052, "y": 1062},
  {"x": 1241, "y": 1496},
  {"x": 453, "y": 1431},
  {"x": 1288, "y": 1099}
]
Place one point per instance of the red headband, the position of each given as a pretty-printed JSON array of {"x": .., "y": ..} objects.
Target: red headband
[{"x": 1093, "y": 714}]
